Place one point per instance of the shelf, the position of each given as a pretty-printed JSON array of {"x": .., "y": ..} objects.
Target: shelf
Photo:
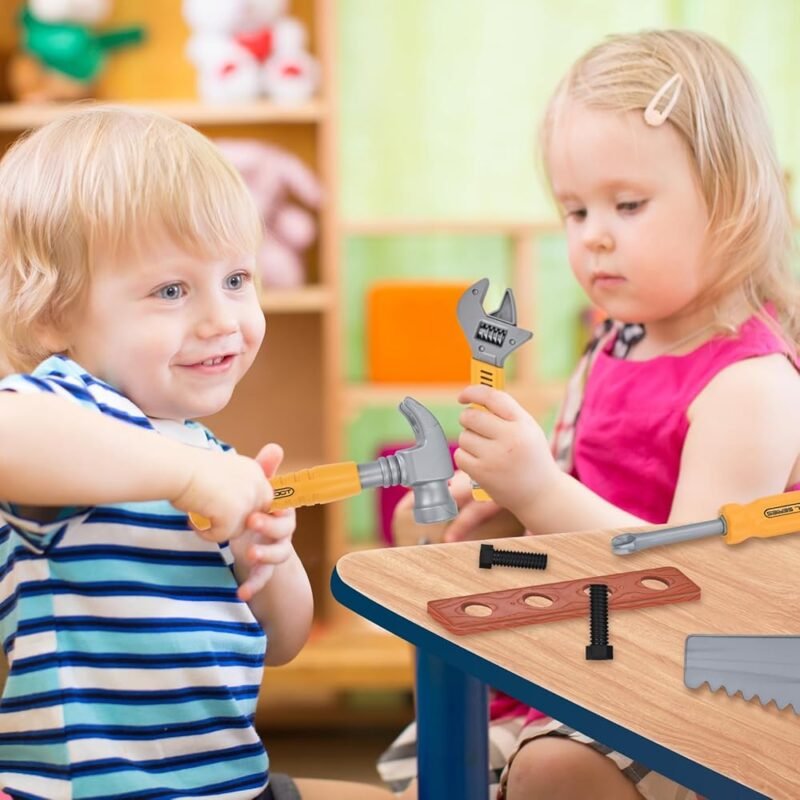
[
  {"x": 302, "y": 300},
  {"x": 410, "y": 227},
  {"x": 361, "y": 395},
  {"x": 348, "y": 656},
  {"x": 22, "y": 116}
]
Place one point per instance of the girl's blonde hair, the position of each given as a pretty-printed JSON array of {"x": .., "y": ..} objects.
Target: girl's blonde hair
[
  {"x": 110, "y": 177},
  {"x": 720, "y": 115}
]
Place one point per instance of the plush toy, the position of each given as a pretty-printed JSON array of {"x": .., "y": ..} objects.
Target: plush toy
[
  {"x": 62, "y": 56},
  {"x": 241, "y": 51},
  {"x": 291, "y": 75},
  {"x": 274, "y": 177}
]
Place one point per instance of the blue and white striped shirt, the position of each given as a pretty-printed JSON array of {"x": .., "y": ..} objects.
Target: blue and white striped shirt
[{"x": 134, "y": 668}]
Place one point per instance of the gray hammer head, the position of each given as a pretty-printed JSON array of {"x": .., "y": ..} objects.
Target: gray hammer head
[{"x": 425, "y": 468}]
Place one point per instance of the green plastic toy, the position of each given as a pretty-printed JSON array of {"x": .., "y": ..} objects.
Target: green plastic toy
[{"x": 71, "y": 53}]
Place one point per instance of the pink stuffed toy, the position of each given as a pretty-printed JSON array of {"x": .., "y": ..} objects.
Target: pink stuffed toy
[{"x": 273, "y": 176}]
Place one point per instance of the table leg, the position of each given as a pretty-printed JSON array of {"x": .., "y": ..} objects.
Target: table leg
[{"x": 452, "y": 732}]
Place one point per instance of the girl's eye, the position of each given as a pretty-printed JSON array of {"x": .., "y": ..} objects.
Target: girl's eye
[
  {"x": 172, "y": 291},
  {"x": 630, "y": 206},
  {"x": 577, "y": 213},
  {"x": 237, "y": 280}
]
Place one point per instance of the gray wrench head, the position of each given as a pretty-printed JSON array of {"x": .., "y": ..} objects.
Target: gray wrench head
[
  {"x": 491, "y": 337},
  {"x": 427, "y": 466}
]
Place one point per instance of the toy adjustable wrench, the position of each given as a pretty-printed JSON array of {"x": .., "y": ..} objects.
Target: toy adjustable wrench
[
  {"x": 425, "y": 468},
  {"x": 491, "y": 337}
]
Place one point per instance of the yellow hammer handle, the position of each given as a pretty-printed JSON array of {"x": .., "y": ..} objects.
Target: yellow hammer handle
[
  {"x": 775, "y": 515},
  {"x": 310, "y": 487},
  {"x": 485, "y": 375},
  {"x": 306, "y": 487}
]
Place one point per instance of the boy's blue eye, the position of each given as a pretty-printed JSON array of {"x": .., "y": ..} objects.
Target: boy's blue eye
[
  {"x": 237, "y": 280},
  {"x": 172, "y": 291}
]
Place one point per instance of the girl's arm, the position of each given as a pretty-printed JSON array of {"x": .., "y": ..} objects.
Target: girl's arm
[
  {"x": 743, "y": 440},
  {"x": 743, "y": 443},
  {"x": 56, "y": 453},
  {"x": 504, "y": 449}
]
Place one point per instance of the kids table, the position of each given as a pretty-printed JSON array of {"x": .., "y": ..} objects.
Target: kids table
[{"x": 723, "y": 747}]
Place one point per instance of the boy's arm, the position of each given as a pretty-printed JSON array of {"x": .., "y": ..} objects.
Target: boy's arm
[
  {"x": 285, "y": 610},
  {"x": 57, "y": 453},
  {"x": 271, "y": 576}
]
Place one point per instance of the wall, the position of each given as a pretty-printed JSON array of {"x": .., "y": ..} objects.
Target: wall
[{"x": 439, "y": 107}]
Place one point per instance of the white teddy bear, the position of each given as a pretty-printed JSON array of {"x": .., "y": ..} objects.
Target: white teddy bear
[{"x": 244, "y": 49}]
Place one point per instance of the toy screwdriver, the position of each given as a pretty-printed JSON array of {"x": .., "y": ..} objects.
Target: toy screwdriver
[{"x": 775, "y": 515}]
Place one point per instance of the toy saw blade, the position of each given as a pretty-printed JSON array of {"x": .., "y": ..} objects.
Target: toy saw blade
[{"x": 764, "y": 667}]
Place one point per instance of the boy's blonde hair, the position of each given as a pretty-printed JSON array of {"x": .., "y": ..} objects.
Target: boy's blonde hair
[
  {"x": 721, "y": 117},
  {"x": 105, "y": 177}
]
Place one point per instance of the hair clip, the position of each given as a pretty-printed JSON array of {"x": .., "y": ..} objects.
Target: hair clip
[{"x": 654, "y": 117}]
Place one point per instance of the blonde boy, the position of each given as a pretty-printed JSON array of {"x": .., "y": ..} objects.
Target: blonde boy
[{"x": 135, "y": 645}]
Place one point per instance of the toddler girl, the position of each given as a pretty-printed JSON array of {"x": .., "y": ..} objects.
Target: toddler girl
[{"x": 661, "y": 161}]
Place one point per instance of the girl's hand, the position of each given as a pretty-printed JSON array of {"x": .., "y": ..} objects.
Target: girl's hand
[
  {"x": 474, "y": 520},
  {"x": 477, "y": 520},
  {"x": 503, "y": 448},
  {"x": 267, "y": 542},
  {"x": 225, "y": 488}
]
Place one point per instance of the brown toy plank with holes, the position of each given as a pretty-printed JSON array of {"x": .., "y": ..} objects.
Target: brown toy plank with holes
[{"x": 509, "y": 608}]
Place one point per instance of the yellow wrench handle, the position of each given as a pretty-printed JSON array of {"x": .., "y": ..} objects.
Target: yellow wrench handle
[
  {"x": 485, "y": 375},
  {"x": 306, "y": 487},
  {"x": 775, "y": 515}
]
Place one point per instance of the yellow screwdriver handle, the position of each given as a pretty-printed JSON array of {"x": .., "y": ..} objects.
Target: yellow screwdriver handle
[
  {"x": 775, "y": 515},
  {"x": 306, "y": 487},
  {"x": 494, "y": 377}
]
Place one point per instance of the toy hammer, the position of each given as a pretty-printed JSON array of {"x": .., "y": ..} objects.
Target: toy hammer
[{"x": 425, "y": 468}]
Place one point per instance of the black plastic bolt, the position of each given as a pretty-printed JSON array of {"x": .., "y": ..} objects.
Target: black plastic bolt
[
  {"x": 599, "y": 649},
  {"x": 510, "y": 558}
]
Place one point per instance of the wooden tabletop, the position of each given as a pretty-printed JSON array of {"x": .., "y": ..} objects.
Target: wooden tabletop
[{"x": 751, "y": 588}]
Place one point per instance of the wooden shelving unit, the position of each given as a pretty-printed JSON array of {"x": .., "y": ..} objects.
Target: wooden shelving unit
[
  {"x": 523, "y": 235},
  {"x": 307, "y": 299},
  {"x": 293, "y": 393},
  {"x": 359, "y": 396},
  {"x": 15, "y": 117}
]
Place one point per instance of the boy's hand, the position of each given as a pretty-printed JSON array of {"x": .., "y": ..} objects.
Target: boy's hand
[
  {"x": 226, "y": 488},
  {"x": 503, "y": 448},
  {"x": 267, "y": 542}
]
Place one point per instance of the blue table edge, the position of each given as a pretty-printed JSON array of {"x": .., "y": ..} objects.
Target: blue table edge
[{"x": 659, "y": 758}]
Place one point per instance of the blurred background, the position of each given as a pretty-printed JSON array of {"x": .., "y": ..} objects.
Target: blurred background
[{"x": 391, "y": 146}]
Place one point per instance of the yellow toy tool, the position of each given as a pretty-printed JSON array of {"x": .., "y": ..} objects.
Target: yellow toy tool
[
  {"x": 425, "y": 468},
  {"x": 775, "y": 515},
  {"x": 491, "y": 338}
]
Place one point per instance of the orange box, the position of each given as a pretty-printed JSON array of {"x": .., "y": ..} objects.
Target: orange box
[{"x": 413, "y": 333}]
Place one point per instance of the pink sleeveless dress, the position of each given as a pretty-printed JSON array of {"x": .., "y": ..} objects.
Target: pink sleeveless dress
[{"x": 632, "y": 426}]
